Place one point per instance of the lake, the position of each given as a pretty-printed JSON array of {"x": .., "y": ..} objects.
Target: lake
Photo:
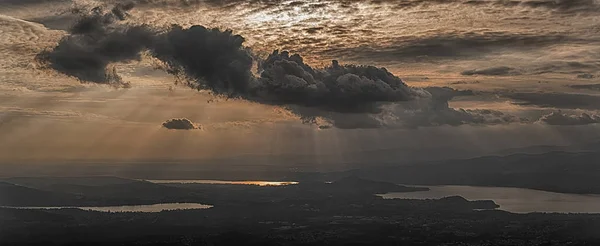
[
  {"x": 207, "y": 181},
  {"x": 154, "y": 208},
  {"x": 514, "y": 200}
]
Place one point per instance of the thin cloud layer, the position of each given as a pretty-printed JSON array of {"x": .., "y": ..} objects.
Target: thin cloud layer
[
  {"x": 453, "y": 45},
  {"x": 492, "y": 71},
  {"x": 562, "y": 5},
  {"x": 435, "y": 111},
  {"x": 430, "y": 111},
  {"x": 594, "y": 87},
  {"x": 562, "y": 119},
  {"x": 554, "y": 100},
  {"x": 582, "y": 69}
]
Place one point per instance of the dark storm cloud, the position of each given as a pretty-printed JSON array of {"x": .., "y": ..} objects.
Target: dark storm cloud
[
  {"x": 216, "y": 60},
  {"x": 554, "y": 100},
  {"x": 493, "y": 71},
  {"x": 95, "y": 42},
  {"x": 213, "y": 59},
  {"x": 179, "y": 124},
  {"x": 344, "y": 95},
  {"x": 287, "y": 79},
  {"x": 559, "y": 118},
  {"x": 348, "y": 96}
]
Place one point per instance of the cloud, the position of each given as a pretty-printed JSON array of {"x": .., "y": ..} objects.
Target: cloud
[
  {"x": 585, "y": 76},
  {"x": 8, "y": 114},
  {"x": 343, "y": 95},
  {"x": 179, "y": 124},
  {"x": 430, "y": 111},
  {"x": 580, "y": 5},
  {"x": 213, "y": 59},
  {"x": 287, "y": 79},
  {"x": 588, "y": 87},
  {"x": 94, "y": 43},
  {"x": 493, "y": 71},
  {"x": 457, "y": 45},
  {"x": 435, "y": 111},
  {"x": 566, "y": 67},
  {"x": 559, "y": 5},
  {"x": 216, "y": 60},
  {"x": 536, "y": 69},
  {"x": 554, "y": 100},
  {"x": 559, "y": 118},
  {"x": 562, "y": 5}
]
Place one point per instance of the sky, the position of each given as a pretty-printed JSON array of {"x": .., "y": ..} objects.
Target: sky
[{"x": 412, "y": 80}]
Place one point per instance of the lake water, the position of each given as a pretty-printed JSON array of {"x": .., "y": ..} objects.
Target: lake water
[
  {"x": 514, "y": 200},
  {"x": 206, "y": 181},
  {"x": 135, "y": 208}
]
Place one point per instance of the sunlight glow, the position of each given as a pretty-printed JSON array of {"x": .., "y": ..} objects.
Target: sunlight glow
[{"x": 258, "y": 183}]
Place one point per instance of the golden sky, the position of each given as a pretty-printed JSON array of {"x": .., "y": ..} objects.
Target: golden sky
[{"x": 522, "y": 60}]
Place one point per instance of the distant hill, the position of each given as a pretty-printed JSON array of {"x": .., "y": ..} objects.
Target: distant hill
[
  {"x": 89, "y": 191},
  {"x": 15, "y": 195},
  {"x": 356, "y": 184},
  {"x": 540, "y": 149},
  {"x": 43, "y": 182}
]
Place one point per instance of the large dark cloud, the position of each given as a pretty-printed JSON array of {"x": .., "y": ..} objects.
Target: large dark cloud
[
  {"x": 343, "y": 95},
  {"x": 95, "y": 42},
  {"x": 216, "y": 60},
  {"x": 213, "y": 59},
  {"x": 286, "y": 79}
]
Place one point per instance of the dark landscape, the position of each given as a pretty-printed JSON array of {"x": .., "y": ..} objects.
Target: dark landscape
[{"x": 322, "y": 209}]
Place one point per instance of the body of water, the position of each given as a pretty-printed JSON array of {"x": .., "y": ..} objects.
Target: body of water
[
  {"x": 206, "y": 181},
  {"x": 514, "y": 200},
  {"x": 134, "y": 208}
]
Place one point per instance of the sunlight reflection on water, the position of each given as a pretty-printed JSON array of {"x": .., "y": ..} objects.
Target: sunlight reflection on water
[{"x": 204, "y": 181}]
